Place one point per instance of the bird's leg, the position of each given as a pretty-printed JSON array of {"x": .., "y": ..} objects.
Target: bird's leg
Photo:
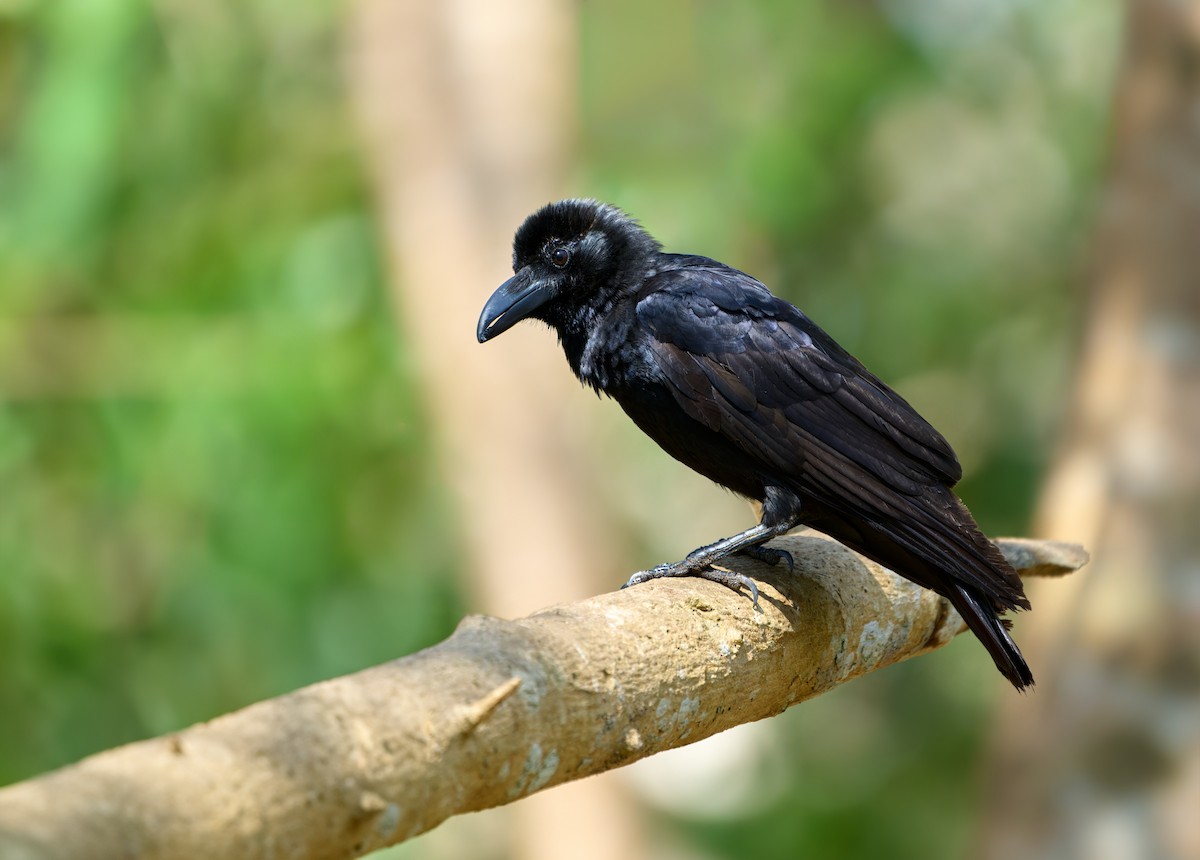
[
  {"x": 758, "y": 552},
  {"x": 699, "y": 562}
]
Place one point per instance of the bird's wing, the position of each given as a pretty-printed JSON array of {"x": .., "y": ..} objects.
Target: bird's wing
[{"x": 755, "y": 369}]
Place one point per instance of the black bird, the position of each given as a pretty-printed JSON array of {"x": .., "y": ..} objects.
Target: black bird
[{"x": 744, "y": 388}]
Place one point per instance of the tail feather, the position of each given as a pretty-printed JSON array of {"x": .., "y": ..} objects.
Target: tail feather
[{"x": 992, "y": 631}]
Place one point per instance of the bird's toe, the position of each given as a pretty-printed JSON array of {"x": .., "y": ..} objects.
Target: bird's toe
[
  {"x": 653, "y": 573},
  {"x": 770, "y": 555},
  {"x": 732, "y": 580}
]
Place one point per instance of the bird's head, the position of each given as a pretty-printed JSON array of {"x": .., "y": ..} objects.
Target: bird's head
[{"x": 567, "y": 257}]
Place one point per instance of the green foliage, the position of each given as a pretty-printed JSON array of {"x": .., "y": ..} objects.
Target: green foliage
[{"x": 214, "y": 465}]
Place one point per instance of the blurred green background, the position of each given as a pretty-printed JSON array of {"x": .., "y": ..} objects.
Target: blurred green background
[{"x": 215, "y": 471}]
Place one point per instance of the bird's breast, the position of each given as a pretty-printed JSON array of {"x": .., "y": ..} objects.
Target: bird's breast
[
  {"x": 611, "y": 354},
  {"x": 658, "y": 414}
]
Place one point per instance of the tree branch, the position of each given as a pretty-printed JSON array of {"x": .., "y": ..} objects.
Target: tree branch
[{"x": 498, "y": 711}]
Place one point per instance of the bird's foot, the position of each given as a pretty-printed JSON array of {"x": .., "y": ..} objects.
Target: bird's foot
[
  {"x": 728, "y": 578},
  {"x": 769, "y": 555}
]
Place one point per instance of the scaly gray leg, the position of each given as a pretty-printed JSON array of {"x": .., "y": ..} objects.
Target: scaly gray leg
[{"x": 700, "y": 562}]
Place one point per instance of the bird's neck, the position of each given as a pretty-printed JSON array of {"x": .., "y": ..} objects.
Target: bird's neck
[
  {"x": 587, "y": 335},
  {"x": 590, "y": 331},
  {"x": 577, "y": 332}
]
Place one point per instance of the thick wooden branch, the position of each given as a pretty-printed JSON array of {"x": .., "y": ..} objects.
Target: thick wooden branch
[{"x": 498, "y": 711}]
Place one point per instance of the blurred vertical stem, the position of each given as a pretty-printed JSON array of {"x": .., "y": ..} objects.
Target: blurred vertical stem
[
  {"x": 468, "y": 109},
  {"x": 1104, "y": 760}
]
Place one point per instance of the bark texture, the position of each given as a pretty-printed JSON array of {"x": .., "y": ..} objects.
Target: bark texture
[{"x": 500, "y": 710}]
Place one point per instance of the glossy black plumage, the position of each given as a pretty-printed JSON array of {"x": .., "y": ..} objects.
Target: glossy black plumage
[{"x": 742, "y": 387}]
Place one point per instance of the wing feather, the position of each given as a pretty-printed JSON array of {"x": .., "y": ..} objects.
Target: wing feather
[{"x": 721, "y": 335}]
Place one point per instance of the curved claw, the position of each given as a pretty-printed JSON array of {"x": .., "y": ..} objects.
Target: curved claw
[
  {"x": 734, "y": 581},
  {"x": 749, "y": 583}
]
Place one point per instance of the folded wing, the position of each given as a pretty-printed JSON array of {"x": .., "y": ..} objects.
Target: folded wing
[{"x": 756, "y": 370}]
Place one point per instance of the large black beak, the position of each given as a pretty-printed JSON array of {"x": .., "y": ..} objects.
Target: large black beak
[{"x": 516, "y": 299}]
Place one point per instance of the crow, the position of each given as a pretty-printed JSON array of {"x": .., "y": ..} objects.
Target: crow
[{"x": 745, "y": 389}]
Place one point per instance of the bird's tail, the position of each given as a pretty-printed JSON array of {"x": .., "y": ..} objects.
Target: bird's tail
[
  {"x": 992, "y": 630},
  {"x": 936, "y": 543},
  {"x": 970, "y": 572},
  {"x": 966, "y": 568}
]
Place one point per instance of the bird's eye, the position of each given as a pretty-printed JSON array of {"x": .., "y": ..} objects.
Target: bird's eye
[{"x": 560, "y": 256}]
